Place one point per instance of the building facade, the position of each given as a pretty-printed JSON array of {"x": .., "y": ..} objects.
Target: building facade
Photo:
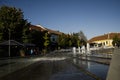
[
  {"x": 103, "y": 40},
  {"x": 54, "y": 35}
]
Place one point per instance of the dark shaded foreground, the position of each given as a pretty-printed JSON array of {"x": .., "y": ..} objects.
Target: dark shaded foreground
[{"x": 49, "y": 70}]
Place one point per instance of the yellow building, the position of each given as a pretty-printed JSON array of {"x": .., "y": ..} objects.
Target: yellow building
[{"x": 103, "y": 40}]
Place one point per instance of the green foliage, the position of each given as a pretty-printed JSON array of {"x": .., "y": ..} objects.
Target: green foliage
[
  {"x": 46, "y": 38},
  {"x": 36, "y": 37},
  {"x": 78, "y": 43},
  {"x": 116, "y": 41},
  {"x": 73, "y": 40},
  {"x": 12, "y": 23},
  {"x": 39, "y": 38},
  {"x": 66, "y": 41},
  {"x": 82, "y": 36},
  {"x": 62, "y": 40},
  {"x": 70, "y": 43}
]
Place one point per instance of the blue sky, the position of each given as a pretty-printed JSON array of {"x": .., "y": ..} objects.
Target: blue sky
[{"x": 93, "y": 17}]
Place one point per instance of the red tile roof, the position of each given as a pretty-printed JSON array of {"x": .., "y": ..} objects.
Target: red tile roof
[
  {"x": 103, "y": 37},
  {"x": 40, "y": 28},
  {"x": 36, "y": 28}
]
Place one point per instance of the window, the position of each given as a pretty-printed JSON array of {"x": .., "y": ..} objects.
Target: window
[{"x": 53, "y": 39}]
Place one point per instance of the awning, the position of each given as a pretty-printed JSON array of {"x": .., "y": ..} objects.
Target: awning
[{"x": 11, "y": 43}]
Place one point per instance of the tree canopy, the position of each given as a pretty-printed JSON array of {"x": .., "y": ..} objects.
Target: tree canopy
[
  {"x": 71, "y": 40},
  {"x": 12, "y": 23},
  {"x": 116, "y": 41}
]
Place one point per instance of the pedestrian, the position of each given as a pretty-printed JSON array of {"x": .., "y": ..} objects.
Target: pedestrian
[{"x": 31, "y": 51}]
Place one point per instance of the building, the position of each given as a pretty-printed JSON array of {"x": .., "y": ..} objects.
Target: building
[
  {"x": 103, "y": 40},
  {"x": 53, "y": 34}
]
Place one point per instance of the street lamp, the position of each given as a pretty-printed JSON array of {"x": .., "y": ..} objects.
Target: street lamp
[{"x": 9, "y": 41}]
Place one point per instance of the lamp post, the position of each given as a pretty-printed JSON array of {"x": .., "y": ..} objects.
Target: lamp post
[{"x": 9, "y": 41}]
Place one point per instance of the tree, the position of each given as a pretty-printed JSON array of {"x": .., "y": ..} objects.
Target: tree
[
  {"x": 62, "y": 41},
  {"x": 46, "y": 40},
  {"x": 116, "y": 41},
  {"x": 75, "y": 40},
  {"x": 12, "y": 23},
  {"x": 40, "y": 38},
  {"x": 70, "y": 43},
  {"x": 82, "y": 38},
  {"x": 36, "y": 37},
  {"x": 67, "y": 40}
]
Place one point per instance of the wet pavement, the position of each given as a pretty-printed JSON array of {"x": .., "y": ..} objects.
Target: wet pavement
[
  {"x": 100, "y": 70},
  {"x": 51, "y": 67},
  {"x": 96, "y": 59},
  {"x": 10, "y": 65},
  {"x": 48, "y": 70}
]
